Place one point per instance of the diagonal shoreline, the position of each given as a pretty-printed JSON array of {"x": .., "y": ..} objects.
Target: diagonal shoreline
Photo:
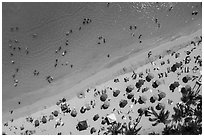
[{"x": 106, "y": 74}]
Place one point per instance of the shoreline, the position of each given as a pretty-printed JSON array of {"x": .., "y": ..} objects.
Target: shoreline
[{"x": 90, "y": 81}]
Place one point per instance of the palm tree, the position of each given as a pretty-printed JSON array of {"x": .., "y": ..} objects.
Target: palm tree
[
  {"x": 179, "y": 113},
  {"x": 132, "y": 129},
  {"x": 114, "y": 129},
  {"x": 124, "y": 129},
  {"x": 162, "y": 117},
  {"x": 191, "y": 98}
]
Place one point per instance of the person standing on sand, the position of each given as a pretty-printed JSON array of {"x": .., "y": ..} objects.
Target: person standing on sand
[{"x": 149, "y": 53}]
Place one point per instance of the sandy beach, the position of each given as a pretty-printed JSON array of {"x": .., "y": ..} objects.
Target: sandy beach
[{"x": 95, "y": 77}]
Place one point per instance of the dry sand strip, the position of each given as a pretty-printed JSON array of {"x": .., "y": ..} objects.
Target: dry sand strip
[{"x": 66, "y": 123}]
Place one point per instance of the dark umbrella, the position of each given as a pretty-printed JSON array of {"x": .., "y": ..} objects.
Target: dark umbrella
[
  {"x": 178, "y": 64},
  {"x": 96, "y": 117},
  {"x": 104, "y": 121},
  {"x": 105, "y": 105},
  {"x": 37, "y": 123},
  {"x": 139, "y": 83},
  {"x": 44, "y": 120},
  {"x": 103, "y": 97},
  {"x": 123, "y": 103},
  {"x": 129, "y": 88},
  {"x": 160, "y": 106},
  {"x": 173, "y": 86},
  {"x": 142, "y": 99},
  {"x": 145, "y": 89},
  {"x": 82, "y": 125},
  {"x": 130, "y": 95},
  {"x": 93, "y": 130},
  {"x": 74, "y": 113},
  {"x": 185, "y": 90},
  {"x": 149, "y": 77},
  {"x": 176, "y": 84},
  {"x": 161, "y": 95},
  {"x": 141, "y": 111},
  {"x": 55, "y": 113},
  {"x": 173, "y": 68},
  {"x": 156, "y": 83},
  {"x": 154, "y": 98},
  {"x": 116, "y": 93},
  {"x": 186, "y": 79}
]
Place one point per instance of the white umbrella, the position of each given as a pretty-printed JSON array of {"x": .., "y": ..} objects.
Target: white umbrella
[{"x": 111, "y": 118}]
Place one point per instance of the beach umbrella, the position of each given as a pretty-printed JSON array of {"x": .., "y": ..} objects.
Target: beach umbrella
[
  {"x": 104, "y": 121},
  {"x": 141, "y": 111},
  {"x": 139, "y": 83},
  {"x": 172, "y": 87},
  {"x": 129, "y": 88},
  {"x": 149, "y": 77},
  {"x": 96, "y": 117},
  {"x": 160, "y": 106},
  {"x": 145, "y": 89},
  {"x": 74, "y": 113},
  {"x": 154, "y": 98},
  {"x": 44, "y": 119},
  {"x": 82, "y": 125},
  {"x": 103, "y": 97},
  {"x": 132, "y": 100},
  {"x": 186, "y": 78},
  {"x": 176, "y": 84},
  {"x": 156, "y": 83},
  {"x": 37, "y": 123},
  {"x": 51, "y": 117},
  {"x": 55, "y": 113},
  {"x": 130, "y": 95},
  {"x": 188, "y": 88},
  {"x": 105, "y": 105},
  {"x": 142, "y": 99},
  {"x": 123, "y": 103},
  {"x": 173, "y": 68},
  {"x": 93, "y": 130},
  {"x": 111, "y": 118},
  {"x": 161, "y": 95},
  {"x": 87, "y": 106},
  {"x": 184, "y": 91},
  {"x": 116, "y": 93},
  {"x": 178, "y": 64}
]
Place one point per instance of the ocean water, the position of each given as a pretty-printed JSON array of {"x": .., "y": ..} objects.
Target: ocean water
[{"x": 51, "y": 21}]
